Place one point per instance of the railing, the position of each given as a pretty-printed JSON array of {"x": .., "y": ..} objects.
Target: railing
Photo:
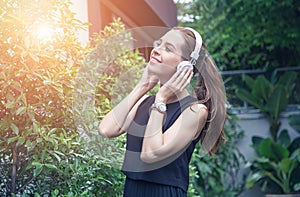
[{"x": 238, "y": 105}]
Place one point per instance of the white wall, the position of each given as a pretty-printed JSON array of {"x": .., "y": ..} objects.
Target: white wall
[{"x": 80, "y": 7}]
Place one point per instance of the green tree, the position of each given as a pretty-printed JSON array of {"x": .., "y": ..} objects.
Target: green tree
[
  {"x": 258, "y": 35},
  {"x": 41, "y": 151},
  {"x": 39, "y": 55},
  {"x": 247, "y": 34}
]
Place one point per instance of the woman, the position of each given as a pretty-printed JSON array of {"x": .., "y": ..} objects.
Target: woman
[{"x": 163, "y": 129}]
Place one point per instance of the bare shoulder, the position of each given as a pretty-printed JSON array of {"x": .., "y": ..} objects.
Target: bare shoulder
[
  {"x": 199, "y": 108},
  {"x": 196, "y": 112},
  {"x": 200, "y": 116}
]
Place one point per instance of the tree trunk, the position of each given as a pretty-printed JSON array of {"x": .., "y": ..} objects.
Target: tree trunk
[{"x": 14, "y": 170}]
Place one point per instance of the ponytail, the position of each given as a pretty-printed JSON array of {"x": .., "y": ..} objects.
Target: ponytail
[{"x": 209, "y": 91}]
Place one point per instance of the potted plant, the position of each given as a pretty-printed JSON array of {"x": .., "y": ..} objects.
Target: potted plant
[{"x": 276, "y": 166}]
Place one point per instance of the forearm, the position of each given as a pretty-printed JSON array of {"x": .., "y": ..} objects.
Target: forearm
[
  {"x": 113, "y": 122},
  {"x": 153, "y": 139}
]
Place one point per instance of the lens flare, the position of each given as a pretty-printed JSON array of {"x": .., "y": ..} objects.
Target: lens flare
[{"x": 45, "y": 33}]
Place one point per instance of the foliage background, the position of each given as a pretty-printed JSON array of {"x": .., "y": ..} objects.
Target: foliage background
[
  {"x": 254, "y": 36},
  {"x": 42, "y": 152},
  {"x": 246, "y": 37},
  {"x": 247, "y": 34}
]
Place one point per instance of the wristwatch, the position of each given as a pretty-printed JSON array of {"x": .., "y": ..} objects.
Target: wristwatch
[{"x": 161, "y": 107}]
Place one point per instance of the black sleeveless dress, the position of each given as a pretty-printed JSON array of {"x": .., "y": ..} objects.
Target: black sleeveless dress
[{"x": 167, "y": 178}]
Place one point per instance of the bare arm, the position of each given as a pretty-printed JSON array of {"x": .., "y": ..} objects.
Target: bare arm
[
  {"x": 118, "y": 119},
  {"x": 158, "y": 146}
]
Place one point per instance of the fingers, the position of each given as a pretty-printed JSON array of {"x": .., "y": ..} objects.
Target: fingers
[
  {"x": 186, "y": 80},
  {"x": 180, "y": 79},
  {"x": 178, "y": 82},
  {"x": 184, "y": 77}
]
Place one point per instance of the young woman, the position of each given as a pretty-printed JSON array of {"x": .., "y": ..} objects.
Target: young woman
[{"x": 163, "y": 129}]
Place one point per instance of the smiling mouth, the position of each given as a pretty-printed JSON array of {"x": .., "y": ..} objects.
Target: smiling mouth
[{"x": 154, "y": 60}]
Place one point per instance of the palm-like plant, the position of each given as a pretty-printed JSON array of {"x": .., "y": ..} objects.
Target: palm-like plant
[
  {"x": 277, "y": 162},
  {"x": 270, "y": 97}
]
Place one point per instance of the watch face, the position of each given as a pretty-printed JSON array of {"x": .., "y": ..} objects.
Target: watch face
[{"x": 162, "y": 108}]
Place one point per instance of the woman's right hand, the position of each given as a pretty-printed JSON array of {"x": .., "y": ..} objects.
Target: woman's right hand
[{"x": 148, "y": 80}]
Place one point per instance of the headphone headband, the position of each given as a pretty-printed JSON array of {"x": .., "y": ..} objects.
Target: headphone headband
[{"x": 198, "y": 44}]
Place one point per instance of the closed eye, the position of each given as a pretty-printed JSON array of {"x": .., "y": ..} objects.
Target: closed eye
[
  {"x": 168, "y": 46},
  {"x": 156, "y": 43}
]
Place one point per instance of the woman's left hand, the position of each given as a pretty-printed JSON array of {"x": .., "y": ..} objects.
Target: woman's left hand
[{"x": 176, "y": 84}]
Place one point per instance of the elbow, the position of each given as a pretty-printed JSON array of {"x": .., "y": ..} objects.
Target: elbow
[
  {"x": 104, "y": 133},
  {"x": 148, "y": 157}
]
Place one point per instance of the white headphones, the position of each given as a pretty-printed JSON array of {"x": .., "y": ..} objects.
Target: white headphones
[{"x": 195, "y": 54}]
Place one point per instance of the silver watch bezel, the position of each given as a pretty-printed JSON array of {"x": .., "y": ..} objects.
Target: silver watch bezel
[{"x": 161, "y": 107}]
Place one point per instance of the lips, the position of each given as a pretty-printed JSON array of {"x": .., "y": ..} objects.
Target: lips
[{"x": 154, "y": 60}]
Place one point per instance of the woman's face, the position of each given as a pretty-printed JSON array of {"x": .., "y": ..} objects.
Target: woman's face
[{"x": 166, "y": 55}]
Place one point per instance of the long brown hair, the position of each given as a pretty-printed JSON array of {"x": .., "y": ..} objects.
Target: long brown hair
[{"x": 209, "y": 91}]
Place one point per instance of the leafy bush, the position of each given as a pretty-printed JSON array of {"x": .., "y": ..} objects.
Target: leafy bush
[
  {"x": 219, "y": 175},
  {"x": 41, "y": 151},
  {"x": 276, "y": 165},
  {"x": 270, "y": 96},
  {"x": 36, "y": 90}
]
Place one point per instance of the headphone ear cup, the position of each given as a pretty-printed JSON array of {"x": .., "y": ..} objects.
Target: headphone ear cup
[{"x": 184, "y": 64}]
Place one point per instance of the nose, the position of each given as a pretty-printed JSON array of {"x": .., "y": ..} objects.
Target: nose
[{"x": 155, "y": 51}]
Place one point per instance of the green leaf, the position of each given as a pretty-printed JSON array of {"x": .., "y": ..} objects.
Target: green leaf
[
  {"x": 295, "y": 144},
  {"x": 56, "y": 156},
  {"x": 37, "y": 171},
  {"x": 14, "y": 128},
  {"x": 296, "y": 154},
  {"x": 36, "y": 195},
  {"x": 51, "y": 166},
  {"x": 249, "y": 81},
  {"x": 29, "y": 166},
  {"x": 287, "y": 79},
  {"x": 9, "y": 105},
  {"x": 53, "y": 130},
  {"x": 36, "y": 163},
  {"x": 252, "y": 178},
  {"x": 12, "y": 139},
  {"x": 272, "y": 150},
  {"x": 49, "y": 139},
  {"x": 35, "y": 127},
  {"x": 297, "y": 186},
  {"x": 55, "y": 193},
  {"x": 249, "y": 98},
  {"x": 256, "y": 141},
  {"x": 277, "y": 102},
  {"x": 21, "y": 111},
  {"x": 21, "y": 141},
  {"x": 284, "y": 138},
  {"x": 262, "y": 88},
  {"x": 287, "y": 165}
]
